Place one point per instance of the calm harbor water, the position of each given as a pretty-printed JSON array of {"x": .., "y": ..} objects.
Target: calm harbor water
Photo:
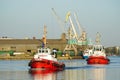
[{"x": 75, "y": 70}]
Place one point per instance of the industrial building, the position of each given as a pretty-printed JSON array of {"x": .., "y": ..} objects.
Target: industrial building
[{"x": 29, "y": 45}]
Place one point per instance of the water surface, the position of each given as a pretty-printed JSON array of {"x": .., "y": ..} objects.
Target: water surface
[{"x": 75, "y": 70}]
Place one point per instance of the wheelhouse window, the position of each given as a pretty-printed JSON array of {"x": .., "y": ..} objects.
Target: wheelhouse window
[
  {"x": 46, "y": 51},
  {"x": 42, "y": 51}
]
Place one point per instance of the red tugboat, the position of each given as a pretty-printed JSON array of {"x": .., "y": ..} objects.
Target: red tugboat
[
  {"x": 46, "y": 59},
  {"x": 98, "y": 55}
]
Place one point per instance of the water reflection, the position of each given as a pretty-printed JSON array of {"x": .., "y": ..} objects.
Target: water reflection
[
  {"x": 43, "y": 74},
  {"x": 99, "y": 74},
  {"x": 70, "y": 74},
  {"x": 96, "y": 74},
  {"x": 85, "y": 74},
  {"x": 79, "y": 70}
]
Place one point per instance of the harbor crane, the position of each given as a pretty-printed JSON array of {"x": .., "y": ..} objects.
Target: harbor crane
[
  {"x": 83, "y": 36},
  {"x": 72, "y": 36},
  {"x": 71, "y": 44}
]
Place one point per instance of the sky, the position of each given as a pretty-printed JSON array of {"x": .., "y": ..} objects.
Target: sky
[{"x": 26, "y": 18}]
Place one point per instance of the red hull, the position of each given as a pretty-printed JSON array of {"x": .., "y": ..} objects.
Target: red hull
[
  {"x": 46, "y": 64},
  {"x": 97, "y": 60}
]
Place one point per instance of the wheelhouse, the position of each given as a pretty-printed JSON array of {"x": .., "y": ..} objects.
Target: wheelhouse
[
  {"x": 44, "y": 50},
  {"x": 98, "y": 48}
]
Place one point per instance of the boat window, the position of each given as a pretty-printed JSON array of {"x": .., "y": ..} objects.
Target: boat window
[
  {"x": 97, "y": 49},
  {"x": 46, "y": 51},
  {"x": 39, "y": 51},
  {"x": 42, "y": 51}
]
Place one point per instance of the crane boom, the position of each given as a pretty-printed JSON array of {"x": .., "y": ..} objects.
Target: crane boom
[
  {"x": 72, "y": 25},
  {"x": 61, "y": 23},
  {"x": 77, "y": 21},
  {"x": 73, "y": 28}
]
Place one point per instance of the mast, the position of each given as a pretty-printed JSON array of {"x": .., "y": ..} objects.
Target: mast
[
  {"x": 44, "y": 37},
  {"x": 98, "y": 38}
]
